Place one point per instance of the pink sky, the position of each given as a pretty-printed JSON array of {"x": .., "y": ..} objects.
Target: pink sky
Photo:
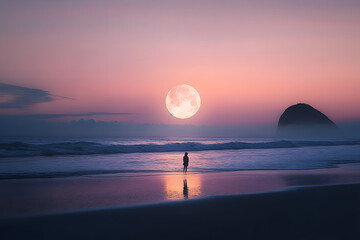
[{"x": 248, "y": 60}]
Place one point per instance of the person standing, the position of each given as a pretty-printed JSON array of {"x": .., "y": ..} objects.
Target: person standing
[{"x": 185, "y": 161}]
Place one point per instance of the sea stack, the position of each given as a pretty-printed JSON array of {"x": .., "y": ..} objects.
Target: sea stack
[{"x": 303, "y": 120}]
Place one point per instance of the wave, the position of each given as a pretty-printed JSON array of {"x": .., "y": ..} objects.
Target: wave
[
  {"x": 7, "y": 176},
  {"x": 147, "y": 172},
  {"x": 21, "y": 149}
]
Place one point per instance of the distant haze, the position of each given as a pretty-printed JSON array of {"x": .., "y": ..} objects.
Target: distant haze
[{"x": 17, "y": 126}]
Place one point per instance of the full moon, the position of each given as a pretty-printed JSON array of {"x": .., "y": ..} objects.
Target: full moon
[{"x": 183, "y": 101}]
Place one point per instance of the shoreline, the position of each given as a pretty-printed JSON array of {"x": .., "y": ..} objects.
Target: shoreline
[
  {"x": 155, "y": 172},
  {"x": 315, "y": 212},
  {"x": 53, "y": 195},
  {"x": 174, "y": 202}
]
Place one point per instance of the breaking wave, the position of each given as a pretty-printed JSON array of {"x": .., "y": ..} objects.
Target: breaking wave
[{"x": 21, "y": 149}]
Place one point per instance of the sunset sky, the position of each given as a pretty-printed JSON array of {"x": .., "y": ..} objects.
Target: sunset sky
[{"x": 249, "y": 60}]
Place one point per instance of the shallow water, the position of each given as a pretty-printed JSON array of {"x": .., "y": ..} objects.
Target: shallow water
[{"x": 254, "y": 154}]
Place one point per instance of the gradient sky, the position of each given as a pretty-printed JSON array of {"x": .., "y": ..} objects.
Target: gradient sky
[{"x": 249, "y": 60}]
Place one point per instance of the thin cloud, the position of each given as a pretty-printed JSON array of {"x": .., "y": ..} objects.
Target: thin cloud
[
  {"x": 12, "y": 96},
  {"x": 61, "y": 115},
  {"x": 49, "y": 116}
]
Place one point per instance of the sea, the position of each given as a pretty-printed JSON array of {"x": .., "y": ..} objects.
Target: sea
[{"x": 48, "y": 157}]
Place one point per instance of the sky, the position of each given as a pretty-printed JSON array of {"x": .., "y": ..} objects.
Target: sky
[{"x": 116, "y": 60}]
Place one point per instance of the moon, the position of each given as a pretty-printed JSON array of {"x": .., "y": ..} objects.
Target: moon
[{"x": 183, "y": 101}]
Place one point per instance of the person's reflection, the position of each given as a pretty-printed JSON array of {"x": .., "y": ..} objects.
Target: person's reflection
[{"x": 185, "y": 190}]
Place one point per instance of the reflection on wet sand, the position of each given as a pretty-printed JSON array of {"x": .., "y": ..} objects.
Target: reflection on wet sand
[
  {"x": 182, "y": 186},
  {"x": 185, "y": 190}
]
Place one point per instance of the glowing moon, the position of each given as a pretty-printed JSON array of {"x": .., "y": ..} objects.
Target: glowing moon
[{"x": 183, "y": 101}]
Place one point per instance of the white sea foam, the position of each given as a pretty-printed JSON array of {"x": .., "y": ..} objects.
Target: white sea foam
[
  {"x": 50, "y": 157},
  {"x": 22, "y": 149}
]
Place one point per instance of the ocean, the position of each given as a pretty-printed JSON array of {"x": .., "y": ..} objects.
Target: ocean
[{"x": 45, "y": 157}]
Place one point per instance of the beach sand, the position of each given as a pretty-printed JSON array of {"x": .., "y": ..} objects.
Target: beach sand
[{"x": 325, "y": 212}]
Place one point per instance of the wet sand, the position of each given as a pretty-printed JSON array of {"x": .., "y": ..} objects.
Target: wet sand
[
  {"x": 322, "y": 212},
  {"x": 29, "y": 197}
]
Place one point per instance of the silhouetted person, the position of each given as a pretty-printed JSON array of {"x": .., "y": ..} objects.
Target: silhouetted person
[
  {"x": 185, "y": 190},
  {"x": 185, "y": 161}
]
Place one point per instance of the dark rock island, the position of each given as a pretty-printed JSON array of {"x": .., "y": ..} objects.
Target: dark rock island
[
  {"x": 303, "y": 119},
  {"x": 303, "y": 114}
]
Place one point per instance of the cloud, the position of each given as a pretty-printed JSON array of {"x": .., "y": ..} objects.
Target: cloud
[
  {"x": 61, "y": 115},
  {"x": 12, "y": 96}
]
